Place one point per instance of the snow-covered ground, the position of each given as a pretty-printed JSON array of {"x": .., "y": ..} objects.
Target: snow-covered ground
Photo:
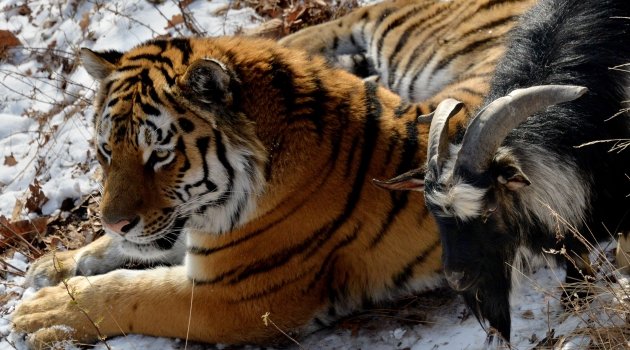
[{"x": 45, "y": 134}]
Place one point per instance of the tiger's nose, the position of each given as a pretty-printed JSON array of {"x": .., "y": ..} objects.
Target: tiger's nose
[{"x": 122, "y": 226}]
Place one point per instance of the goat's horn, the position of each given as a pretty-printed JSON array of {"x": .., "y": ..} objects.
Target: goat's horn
[
  {"x": 438, "y": 134},
  {"x": 425, "y": 118},
  {"x": 490, "y": 127}
]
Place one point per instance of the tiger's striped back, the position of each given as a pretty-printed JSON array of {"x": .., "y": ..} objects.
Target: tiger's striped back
[{"x": 423, "y": 50}]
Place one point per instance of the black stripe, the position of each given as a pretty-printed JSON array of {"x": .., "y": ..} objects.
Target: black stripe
[
  {"x": 221, "y": 154},
  {"x": 153, "y": 58},
  {"x": 393, "y": 141},
  {"x": 202, "y": 146},
  {"x": 444, "y": 61},
  {"x": 350, "y": 160},
  {"x": 401, "y": 110},
  {"x": 411, "y": 31},
  {"x": 407, "y": 272},
  {"x": 112, "y": 102},
  {"x": 314, "y": 102},
  {"x": 407, "y": 162},
  {"x": 155, "y": 96},
  {"x": 468, "y": 91},
  {"x": 181, "y": 147},
  {"x": 473, "y": 46},
  {"x": 492, "y": 3},
  {"x": 282, "y": 80},
  {"x": 186, "y": 125},
  {"x": 124, "y": 85},
  {"x": 496, "y": 23},
  {"x": 391, "y": 26},
  {"x": 149, "y": 110},
  {"x": 174, "y": 103},
  {"x": 170, "y": 81},
  {"x": 161, "y": 43},
  {"x": 371, "y": 127},
  {"x": 273, "y": 288},
  {"x": 128, "y": 68},
  {"x": 184, "y": 46},
  {"x": 323, "y": 269}
]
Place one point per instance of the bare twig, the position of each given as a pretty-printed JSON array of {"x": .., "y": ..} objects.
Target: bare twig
[
  {"x": 77, "y": 301},
  {"x": 268, "y": 320},
  {"x": 192, "y": 293},
  {"x": 107, "y": 309},
  {"x": 22, "y": 239}
]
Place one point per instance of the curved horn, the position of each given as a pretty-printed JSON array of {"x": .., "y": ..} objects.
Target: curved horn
[
  {"x": 438, "y": 134},
  {"x": 426, "y": 118},
  {"x": 490, "y": 127}
]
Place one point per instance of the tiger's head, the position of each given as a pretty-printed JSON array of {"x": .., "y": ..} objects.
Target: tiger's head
[{"x": 175, "y": 149}]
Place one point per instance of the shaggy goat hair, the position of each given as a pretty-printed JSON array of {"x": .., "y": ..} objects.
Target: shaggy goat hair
[{"x": 521, "y": 179}]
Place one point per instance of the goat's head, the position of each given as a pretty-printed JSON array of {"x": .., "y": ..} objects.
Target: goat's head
[{"x": 471, "y": 189}]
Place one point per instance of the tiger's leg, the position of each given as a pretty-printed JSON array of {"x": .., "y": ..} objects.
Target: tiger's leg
[
  {"x": 98, "y": 257},
  {"x": 158, "y": 302}
]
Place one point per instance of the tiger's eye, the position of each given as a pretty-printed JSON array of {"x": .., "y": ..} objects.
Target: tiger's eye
[
  {"x": 162, "y": 154},
  {"x": 107, "y": 148}
]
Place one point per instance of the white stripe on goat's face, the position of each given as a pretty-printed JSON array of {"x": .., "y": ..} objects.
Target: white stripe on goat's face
[{"x": 459, "y": 200}]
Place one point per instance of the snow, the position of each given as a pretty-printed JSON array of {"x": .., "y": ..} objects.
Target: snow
[{"x": 45, "y": 126}]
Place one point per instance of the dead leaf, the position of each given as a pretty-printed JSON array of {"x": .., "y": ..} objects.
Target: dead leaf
[
  {"x": 221, "y": 10},
  {"x": 162, "y": 37},
  {"x": 24, "y": 228},
  {"x": 10, "y": 160},
  {"x": 177, "y": 19},
  {"x": 184, "y": 3},
  {"x": 17, "y": 210},
  {"x": 528, "y": 315},
  {"x": 270, "y": 29},
  {"x": 85, "y": 22},
  {"x": 36, "y": 199},
  {"x": 7, "y": 39}
]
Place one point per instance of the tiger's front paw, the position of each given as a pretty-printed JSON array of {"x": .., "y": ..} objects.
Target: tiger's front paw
[
  {"x": 58, "y": 314},
  {"x": 50, "y": 269},
  {"x": 98, "y": 257}
]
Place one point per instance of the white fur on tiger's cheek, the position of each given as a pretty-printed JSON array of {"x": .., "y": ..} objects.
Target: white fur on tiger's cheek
[{"x": 462, "y": 201}]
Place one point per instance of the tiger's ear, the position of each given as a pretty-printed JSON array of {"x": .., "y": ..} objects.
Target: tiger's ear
[
  {"x": 209, "y": 81},
  {"x": 410, "y": 181},
  {"x": 100, "y": 64}
]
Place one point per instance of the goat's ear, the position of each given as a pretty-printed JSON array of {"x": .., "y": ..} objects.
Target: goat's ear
[
  {"x": 512, "y": 178},
  {"x": 100, "y": 64},
  {"x": 208, "y": 81},
  {"x": 410, "y": 181}
]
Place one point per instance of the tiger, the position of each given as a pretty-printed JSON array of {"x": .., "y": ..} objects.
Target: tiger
[
  {"x": 423, "y": 50},
  {"x": 246, "y": 166}
]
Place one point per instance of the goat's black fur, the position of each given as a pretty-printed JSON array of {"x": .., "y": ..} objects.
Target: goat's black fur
[{"x": 563, "y": 42}]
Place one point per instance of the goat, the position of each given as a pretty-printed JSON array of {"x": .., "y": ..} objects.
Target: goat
[{"x": 491, "y": 188}]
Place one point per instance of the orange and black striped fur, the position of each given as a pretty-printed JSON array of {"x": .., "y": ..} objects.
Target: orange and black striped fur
[
  {"x": 251, "y": 164},
  {"x": 265, "y": 157},
  {"x": 423, "y": 50}
]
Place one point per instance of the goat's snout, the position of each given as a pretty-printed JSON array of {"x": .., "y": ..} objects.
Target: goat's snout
[{"x": 457, "y": 280}]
